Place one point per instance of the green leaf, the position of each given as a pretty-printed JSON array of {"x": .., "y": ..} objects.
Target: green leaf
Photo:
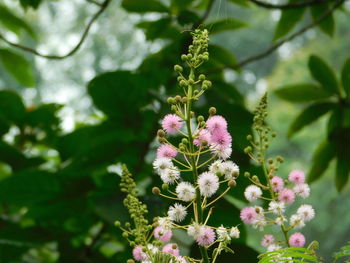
[
  {"x": 12, "y": 109},
  {"x": 158, "y": 29},
  {"x": 225, "y": 25},
  {"x": 323, "y": 74},
  {"x": 298, "y": 254},
  {"x": 327, "y": 25},
  {"x": 309, "y": 115},
  {"x": 288, "y": 20},
  {"x": 30, "y": 3},
  {"x": 345, "y": 77},
  {"x": 17, "y": 66},
  {"x": 222, "y": 56},
  {"x": 141, "y": 6},
  {"x": 13, "y": 22},
  {"x": 301, "y": 93},
  {"x": 243, "y": 3},
  {"x": 323, "y": 155},
  {"x": 343, "y": 164},
  {"x": 344, "y": 252}
]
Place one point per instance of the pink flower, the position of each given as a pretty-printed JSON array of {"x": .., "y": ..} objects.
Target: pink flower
[
  {"x": 166, "y": 151},
  {"x": 171, "y": 123},
  {"x": 203, "y": 135},
  {"x": 297, "y": 176},
  {"x": 297, "y": 240},
  {"x": 216, "y": 122},
  {"x": 163, "y": 234},
  {"x": 267, "y": 240},
  {"x": 248, "y": 214},
  {"x": 287, "y": 196},
  {"x": 302, "y": 190},
  {"x": 221, "y": 138},
  {"x": 138, "y": 254},
  {"x": 206, "y": 236},
  {"x": 277, "y": 183},
  {"x": 172, "y": 249}
]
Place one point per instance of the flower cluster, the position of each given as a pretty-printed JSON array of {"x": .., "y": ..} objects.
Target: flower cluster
[{"x": 279, "y": 195}]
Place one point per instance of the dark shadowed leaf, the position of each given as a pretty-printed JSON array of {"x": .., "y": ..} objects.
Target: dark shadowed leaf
[
  {"x": 12, "y": 109},
  {"x": 345, "y": 77},
  {"x": 343, "y": 166},
  {"x": 323, "y": 74},
  {"x": 30, "y": 3},
  {"x": 301, "y": 93},
  {"x": 158, "y": 29},
  {"x": 309, "y": 115},
  {"x": 288, "y": 20},
  {"x": 222, "y": 56},
  {"x": 225, "y": 25},
  {"x": 327, "y": 25},
  {"x": 141, "y": 6}
]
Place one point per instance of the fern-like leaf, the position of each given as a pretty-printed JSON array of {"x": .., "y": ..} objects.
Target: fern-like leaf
[
  {"x": 291, "y": 254},
  {"x": 343, "y": 254}
]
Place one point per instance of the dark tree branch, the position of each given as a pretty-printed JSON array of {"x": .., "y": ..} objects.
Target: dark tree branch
[
  {"x": 289, "y": 5},
  {"x": 93, "y": 19}
]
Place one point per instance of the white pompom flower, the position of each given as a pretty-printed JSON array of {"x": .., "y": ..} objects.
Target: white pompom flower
[
  {"x": 306, "y": 212},
  {"x": 185, "y": 191},
  {"x": 216, "y": 167},
  {"x": 208, "y": 184},
  {"x": 170, "y": 175},
  {"x": 276, "y": 207},
  {"x": 230, "y": 170},
  {"x": 177, "y": 212},
  {"x": 296, "y": 221},
  {"x": 302, "y": 190},
  {"x": 223, "y": 233},
  {"x": 162, "y": 164},
  {"x": 234, "y": 232},
  {"x": 252, "y": 193}
]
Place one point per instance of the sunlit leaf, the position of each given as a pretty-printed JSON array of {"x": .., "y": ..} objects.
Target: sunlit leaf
[{"x": 225, "y": 25}]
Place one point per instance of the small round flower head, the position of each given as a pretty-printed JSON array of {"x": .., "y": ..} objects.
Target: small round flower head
[
  {"x": 234, "y": 232},
  {"x": 153, "y": 249},
  {"x": 166, "y": 151},
  {"x": 203, "y": 136},
  {"x": 138, "y": 254},
  {"x": 221, "y": 138},
  {"x": 248, "y": 214},
  {"x": 287, "y": 196},
  {"x": 164, "y": 222},
  {"x": 194, "y": 230},
  {"x": 216, "y": 122},
  {"x": 172, "y": 249},
  {"x": 180, "y": 259},
  {"x": 302, "y": 190},
  {"x": 163, "y": 234},
  {"x": 162, "y": 164},
  {"x": 206, "y": 237},
  {"x": 222, "y": 152},
  {"x": 177, "y": 212},
  {"x": 297, "y": 240},
  {"x": 276, "y": 207},
  {"x": 185, "y": 191},
  {"x": 208, "y": 184},
  {"x": 222, "y": 233},
  {"x": 169, "y": 176},
  {"x": 230, "y": 170},
  {"x": 267, "y": 240},
  {"x": 280, "y": 220},
  {"x": 306, "y": 212},
  {"x": 277, "y": 183},
  {"x": 259, "y": 222},
  {"x": 273, "y": 247},
  {"x": 252, "y": 193},
  {"x": 216, "y": 167},
  {"x": 297, "y": 176},
  {"x": 296, "y": 221},
  {"x": 172, "y": 123}
]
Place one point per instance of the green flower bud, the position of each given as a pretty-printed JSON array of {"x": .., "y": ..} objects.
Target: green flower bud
[
  {"x": 160, "y": 133},
  {"x": 212, "y": 111},
  {"x": 165, "y": 187},
  {"x": 201, "y": 77},
  {"x": 184, "y": 141},
  {"x": 232, "y": 183},
  {"x": 178, "y": 68},
  {"x": 200, "y": 118},
  {"x": 155, "y": 190},
  {"x": 125, "y": 234},
  {"x": 173, "y": 108},
  {"x": 183, "y": 57},
  {"x": 246, "y": 174},
  {"x": 171, "y": 100},
  {"x": 249, "y": 137},
  {"x": 183, "y": 83},
  {"x": 117, "y": 223},
  {"x": 184, "y": 100},
  {"x": 178, "y": 98}
]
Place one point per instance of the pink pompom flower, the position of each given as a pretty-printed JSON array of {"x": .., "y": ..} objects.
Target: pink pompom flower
[
  {"x": 163, "y": 234},
  {"x": 203, "y": 136},
  {"x": 206, "y": 236},
  {"x": 248, "y": 214},
  {"x": 138, "y": 254},
  {"x": 297, "y": 177},
  {"x": 172, "y": 249},
  {"x": 166, "y": 151},
  {"x": 267, "y": 240},
  {"x": 277, "y": 183},
  {"x": 216, "y": 122},
  {"x": 221, "y": 138},
  {"x": 297, "y": 240},
  {"x": 287, "y": 196},
  {"x": 302, "y": 190},
  {"x": 171, "y": 123}
]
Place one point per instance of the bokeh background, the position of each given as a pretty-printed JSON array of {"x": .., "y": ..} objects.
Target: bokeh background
[{"x": 66, "y": 125}]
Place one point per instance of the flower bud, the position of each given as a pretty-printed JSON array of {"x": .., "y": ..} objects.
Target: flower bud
[
  {"x": 184, "y": 100},
  {"x": 207, "y": 83},
  {"x": 201, "y": 77},
  {"x": 165, "y": 187},
  {"x": 200, "y": 118},
  {"x": 183, "y": 57},
  {"x": 184, "y": 141},
  {"x": 249, "y": 137},
  {"x": 178, "y": 68},
  {"x": 192, "y": 114},
  {"x": 246, "y": 174},
  {"x": 155, "y": 190},
  {"x": 161, "y": 140},
  {"x": 173, "y": 108},
  {"x": 183, "y": 83},
  {"x": 125, "y": 234},
  {"x": 160, "y": 133},
  {"x": 191, "y": 81},
  {"x": 232, "y": 183},
  {"x": 171, "y": 100},
  {"x": 270, "y": 160},
  {"x": 130, "y": 261},
  {"x": 212, "y": 111},
  {"x": 117, "y": 223},
  {"x": 178, "y": 98}
]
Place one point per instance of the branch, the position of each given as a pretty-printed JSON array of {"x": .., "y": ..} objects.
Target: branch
[
  {"x": 205, "y": 15},
  {"x": 275, "y": 46},
  {"x": 289, "y": 5},
  {"x": 93, "y": 19}
]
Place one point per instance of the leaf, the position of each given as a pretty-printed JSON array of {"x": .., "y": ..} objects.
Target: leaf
[
  {"x": 30, "y": 3},
  {"x": 141, "y": 6},
  {"x": 328, "y": 24},
  {"x": 225, "y": 25},
  {"x": 13, "y": 22},
  {"x": 343, "y": 164},
  {"x": 309, "y": 115},
  {"x": 17, "y": 66},
  {"x": 243, "y": 3},
  {"x": 323, "y": 74},
  {"x": 158, "y": 29},
  {"x": 222, "y": 56},
  {"x": 344, "y": 252},
  {"x": 345, "y": 77},
  {"x": 298, "y": 254},
  {"x": 12, "y": 109},
  {"x": 289, "y": 18},
  {"x": 187, "y": 17},
  {"x": 301, "y": 93},
  {"x": 323, "y": 155}
]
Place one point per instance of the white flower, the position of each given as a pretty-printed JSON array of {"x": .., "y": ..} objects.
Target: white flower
[
  {"x": 230, "y": 170},
  {"x": 169, "y": 176},
  {"x": 234, "y": 232},
  {"x": 152, "y": 248},
  {"x": 296, "y": 221},
  {"x": 279, "y": 220},
  {"x": 222, "y": 152},
  {"x": 162, "y": 164},
  {"x": 273, "y": 247},
  {"x": 222, "y": 233},
  {"x": 302, "y": 190},
  {"x": 177, "y": 212},
  {"x": 164, "y": 222},
  {"x": 185, "y": 191},
  {"x": 195, "y": 230},
  {"x": 216, "y": 167},
  {"x": 208, "y": 184},
  {"x": 252, "y": 193},
  {"x": 259, "y": 222},
  {"x": 276, "y": 207},
  {"x": 306, "y": 212}
]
